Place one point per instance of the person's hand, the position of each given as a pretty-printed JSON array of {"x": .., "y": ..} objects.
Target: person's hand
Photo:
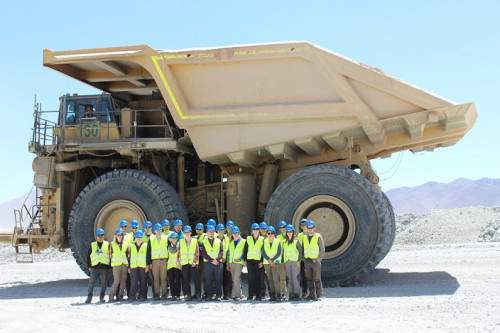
[
  {"x": 297, "y": 264},
  {"x": 90, "y": 269},
  {"x": 215, "y": 262},
  {"x": 129, "y": 270},
  {"x": 260, "y": 265},
  {"x": 151, "y": 266},
  {"x": 228, "y": 268},
  {"x": 245, "y": 263},
  {"x": 193, "y": 264}
]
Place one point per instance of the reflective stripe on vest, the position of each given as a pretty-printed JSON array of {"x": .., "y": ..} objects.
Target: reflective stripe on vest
[
  {"x": 225, "y": 245},
  {"x": 173, "y": 258},
  {"x": 271, "y": 251},
  {"x": 236, "y": 252},
  {"x": 188, "y": 254},
  {"x": 290, "y": 251},
  {"x": 159, "y": 250},
  {"x": 254, "y": 248},
  {"x": 212, "y": 250},
  {"x": 201, "y": 237},
  {"x": 138, "y": 259},
  {"x": 119, "y": 256},
  {"x": 311, "y": 249},
  {"x": 99, "y": 256}
]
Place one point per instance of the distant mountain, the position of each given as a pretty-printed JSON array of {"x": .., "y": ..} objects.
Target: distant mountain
[
  {"x": 7, "y": 220},
  {"x": 457, "y": 194}
]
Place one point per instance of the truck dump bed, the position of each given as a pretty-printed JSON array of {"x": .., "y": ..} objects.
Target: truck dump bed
[{"x": 240, "y": 104}]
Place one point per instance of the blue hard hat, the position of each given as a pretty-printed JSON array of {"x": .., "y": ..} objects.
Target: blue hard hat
[
  {"x": 211, "y": 222},
  {"x": 165, "y": 223},
  {"x": 100, "y": 232},
  {"x": 210, "y": 228},
  {"x": 254, "y": 226},
  {"x": 235, "y": 229},
  {"x": 271, "y": 228},
  {"x": 178, "y": 222},
  {"x": 229, "y": 224},
  {"x": 119, "y": 231},
  {"x": 148, "y": 224},
  {"x": 200, "y": 226},
  {"x": 139, "y": 234},
  {"x": 263, "y": 225},
  {"x": 187, "y": 228},
  {"x": 282, "y": 224},
  {"x": 303, "y": 221},
  {"x": 220, "y": 227},
  {"x": 311, "y": 224},
  {"x": 174, "y": 235},
  {"x": 134, "y": 224},
  {"x": 158, "y": 226},
  {"x": 123, "y": 223},
  {"x": 289, "y": 228}
]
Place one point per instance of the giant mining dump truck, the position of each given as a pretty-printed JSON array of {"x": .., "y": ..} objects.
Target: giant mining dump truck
[{"x": 268, "y": 132}]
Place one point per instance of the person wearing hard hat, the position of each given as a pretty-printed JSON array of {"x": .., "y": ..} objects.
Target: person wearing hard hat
[
  {"x": 303, "y": 278},
  {"x": 253, "y": 256},
  {"x": 263, "y": 229},
  {"x": 124, "y": 226},
  {"x": 271, "y": 257},
  {"x": 174, "y": 267},
  {"x": 129, "y": 238},
  {"x": 282, "y": 237},
  {"x": 148, "y": 231},
  {"x": 227, "y": 283},
  {"x": 229, "y": 227},
  {"x": 200, "y": 236},
  {"x": 178, "y": 228},
  {"x": 212, "y": 251},
  {"x": 314, "y": 251},
  {"x": 236, "y": 260},
  {"x": 292, "y": 256},
  {"x": 189, "y": 257},
  {"x": 98, "y": 264},
  {"x": 158, "y": 251},
  {"x": 264, "y": 281},
  {"x": 165, "y": 225},
  {"x": 138, "y": 264},
  {"x": 118, "y": 253}
]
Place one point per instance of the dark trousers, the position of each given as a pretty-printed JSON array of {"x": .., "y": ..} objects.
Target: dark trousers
[
  {"x": 98, "y": 273},
  {"x": 189, "y": 274},
  {"x": 211, "y": 273},
  {"x": 138, "y": 280},
  {"x": 174, "y": 280},
  {"x": 313, "y": 273},
  {"x": 227, "y": 281},
  {"x": 303, "y": 278},
  {"x": 254, "y": 276}
]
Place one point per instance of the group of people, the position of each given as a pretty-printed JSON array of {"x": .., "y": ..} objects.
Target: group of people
[{"x": 214, "y": 256}]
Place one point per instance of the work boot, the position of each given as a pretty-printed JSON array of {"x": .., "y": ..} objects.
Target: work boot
[
  {"x": 188, "y": 298},
  {"x": 156, "y": 297},
  {"x": 272, "y": 297},
  {"x": 164, "y": 297},
  {"x": 101, "y": 298},
  {"x": 89, "y": 299}
]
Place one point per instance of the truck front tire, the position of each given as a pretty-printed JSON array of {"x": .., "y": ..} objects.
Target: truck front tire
[{"x": 120, "y": 194}]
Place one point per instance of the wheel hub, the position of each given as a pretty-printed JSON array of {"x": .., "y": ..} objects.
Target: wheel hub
[
  {"x": 111, "y": 214},
  {"x": 334, "y": 221}
]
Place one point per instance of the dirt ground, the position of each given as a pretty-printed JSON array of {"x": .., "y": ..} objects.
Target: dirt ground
[{"x": 443, "y": 288}]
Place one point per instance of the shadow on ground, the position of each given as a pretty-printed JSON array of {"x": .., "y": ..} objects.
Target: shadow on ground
[
  {"x": 61, "y": 288},
  {"x": 384, "y": 283}
]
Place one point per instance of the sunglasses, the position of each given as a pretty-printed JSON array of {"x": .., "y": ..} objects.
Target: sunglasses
[
  {"x": 235, "y": 232},
  {"x": 255, "y": 229},
  {"x": 310, "y": 228},
  {"x": 199, "y": 229},
  {"x": 270, "y": 233}
]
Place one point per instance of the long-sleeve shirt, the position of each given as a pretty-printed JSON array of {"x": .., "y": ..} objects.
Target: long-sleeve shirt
[
  {"x": 89, "y": 262},
  {"x": 205, "y": 255},
  {"x": 321, "y": 245},
  {"x": 278, "y": 253}
]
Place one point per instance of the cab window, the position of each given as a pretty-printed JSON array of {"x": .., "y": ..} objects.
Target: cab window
[{"x": 71, "y": 112}]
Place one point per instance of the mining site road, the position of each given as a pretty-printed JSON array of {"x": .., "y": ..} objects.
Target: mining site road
[{"x": 442, "y": 288}]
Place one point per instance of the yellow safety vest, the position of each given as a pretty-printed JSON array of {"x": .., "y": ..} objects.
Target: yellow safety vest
[
  {"x": 129, "y": 238},
  {"x": 236, "y": 252},
  {"x": 173, "y": 259},
  {"x": 201, "y": 237},
  {"x": 138, "y": 259},
  {"x": 159, "y": 250},
  {"x": 119, "y": 256},
  {"x": 99, "y": 256},
  {"x": 145, "y": 238},
  {"x": 290, "y": 251},
  {"x": 188, "y": 253},
  {"x": 311, "y": 249},
  {"x": 271, "y": 251},
  {"x": 301, "y": 237},
  {"x": 254, "y": 248},
  {"x": 225, "y": 245},
  {"x": 212, "y": 251}
]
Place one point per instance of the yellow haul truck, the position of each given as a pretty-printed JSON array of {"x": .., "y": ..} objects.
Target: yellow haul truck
[{"x": 268, "y": 132}]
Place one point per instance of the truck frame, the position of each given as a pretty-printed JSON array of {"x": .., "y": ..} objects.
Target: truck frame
[{"x": 250, "y": 133}]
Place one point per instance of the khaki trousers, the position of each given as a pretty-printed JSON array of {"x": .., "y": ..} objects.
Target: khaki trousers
[
  {"x": 119, "y": 281},
  {"x": 236, "y": 277},
  {"x": 160, "y": 276}
]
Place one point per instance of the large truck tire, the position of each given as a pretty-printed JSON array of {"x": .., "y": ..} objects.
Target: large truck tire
[
  {"x": 351, "y": 214},
  {"x": 120, "y": 194}
]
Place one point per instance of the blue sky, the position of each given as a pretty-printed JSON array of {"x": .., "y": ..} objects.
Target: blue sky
[{"x": 448, "y": 47}]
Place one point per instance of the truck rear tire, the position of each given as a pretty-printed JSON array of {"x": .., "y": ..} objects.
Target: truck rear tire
[
  {"x": 352, "y": 215},
  {"x": 117, "y": 195}
]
